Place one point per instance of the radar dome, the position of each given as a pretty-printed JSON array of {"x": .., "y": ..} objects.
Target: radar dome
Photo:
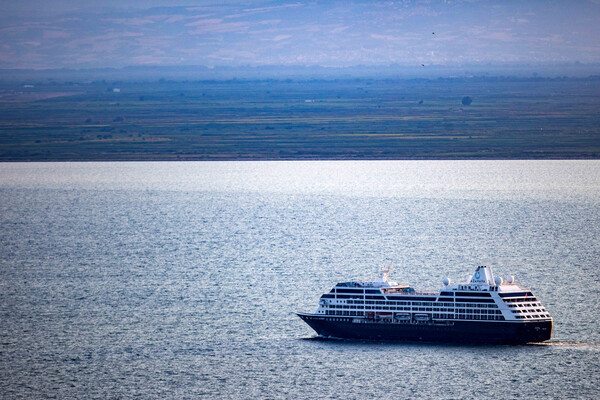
[
  {"x": 446, "y": 281},
  {"x": 498, "y": 281},
  {"x": 510, "y": 279}
]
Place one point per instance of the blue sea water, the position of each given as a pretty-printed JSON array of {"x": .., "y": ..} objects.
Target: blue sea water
[{"x": 180, "y": 280}]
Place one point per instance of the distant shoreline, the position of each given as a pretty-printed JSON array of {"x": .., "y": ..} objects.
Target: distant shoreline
[
  {"x": 190, "y": 73},
  {"x": 446, "y": 119},
  {"x": 290, "y": 159}
]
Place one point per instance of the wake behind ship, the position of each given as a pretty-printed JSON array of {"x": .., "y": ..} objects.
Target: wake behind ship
[{"x": 483, "y": 310}]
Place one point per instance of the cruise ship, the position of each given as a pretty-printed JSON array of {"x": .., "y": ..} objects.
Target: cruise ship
[{"x": 481, "y": 310}]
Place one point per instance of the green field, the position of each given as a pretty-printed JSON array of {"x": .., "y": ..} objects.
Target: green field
[{"x": 338, "y": 119}]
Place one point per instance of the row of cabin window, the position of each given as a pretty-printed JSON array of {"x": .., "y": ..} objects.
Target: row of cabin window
[
  {"x": 517, "y": 294},
  {"x": 373, "y": 297},
  {"x": 483, "y": 317},
  {"x": 384, "y": 308},
  {"x": 438, "y": 309},
  {"x": 466, "y": 305},
  {"x": 477, "y": 311},
  {"x": 401, "y": 303},
  {"x": 358, "y": 296},
  {"x": 467, "y": 294},
  {"x": 368, "y": 291},
  {"x": 525, "y": 305},
  {"x": 353, "y": 313},
  {"x": 418, "y": 303},
  {"x": 532, "y": 316},
  {"x": 387, "y": 308},
  {"x": 439, "y": 316},
  {"x": 528, "y": 311},
  {"x": 521, "y": 300},
  {"x": 492, "y": 317},
  {"x": 381, "y": 298},
  {"x": 373, "y": 291}
]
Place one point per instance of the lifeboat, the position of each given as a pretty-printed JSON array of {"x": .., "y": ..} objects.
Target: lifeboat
[
  {"x": 422, "y": 317},
  {"x": 402, "y": 317}
]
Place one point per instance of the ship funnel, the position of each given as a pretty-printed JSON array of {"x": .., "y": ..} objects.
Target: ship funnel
[{"x": 483, "y": 276}]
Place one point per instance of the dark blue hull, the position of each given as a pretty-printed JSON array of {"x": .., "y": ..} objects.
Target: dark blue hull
[{"x": 497, "y": 332}]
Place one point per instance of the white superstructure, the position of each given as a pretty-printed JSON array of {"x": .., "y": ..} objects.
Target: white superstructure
[{"x": 481, "y": 298}]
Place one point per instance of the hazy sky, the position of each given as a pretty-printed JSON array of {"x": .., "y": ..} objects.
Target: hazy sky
[{"x": 83, "y": 33}]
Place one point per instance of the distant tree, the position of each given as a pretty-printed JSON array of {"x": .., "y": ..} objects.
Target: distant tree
[{"x": 467, "y": 100}]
